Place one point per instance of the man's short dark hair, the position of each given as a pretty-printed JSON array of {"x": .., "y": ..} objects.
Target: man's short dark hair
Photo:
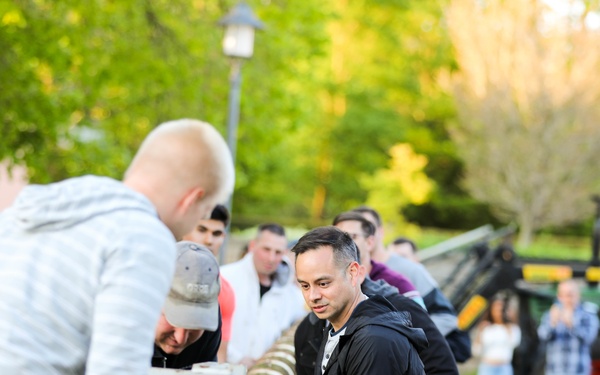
[
  {"x": 220, "y": 213},
  {"x": 365, "y": 225},
  {"x": 344, "y": 248},
  {"x": 273, "y": 228},
  {"x": 401, "y": 240},
  {"x": 369, "y": 210}
]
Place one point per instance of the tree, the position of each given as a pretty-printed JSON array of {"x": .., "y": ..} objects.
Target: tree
[
  {"x": 527, "y": 94},
  {"x": 402, "y": 183},
  {"x": 380, "y": 87},
  {"x": 84, "y": 81}
]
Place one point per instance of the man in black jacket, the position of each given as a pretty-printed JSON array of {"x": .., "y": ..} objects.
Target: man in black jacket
[
  {"x": 368, "y": 335},
  {"x": 437, "y": 358},
  {"x": 189, "y": 328}
]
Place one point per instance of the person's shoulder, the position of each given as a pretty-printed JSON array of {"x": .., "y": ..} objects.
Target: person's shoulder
[
  {"x": 418, "y": 315},
  {"x": 372, "y": 311},
  {"x": 235, "y": 271},
  {"x": 226, "y": 286},
  {"x": 227, "y": 293},
  {"x": 226, "y": 268},
  {"x": 141, "y": 230},
  {"x": 400, "y": 261},
  {"x": 589, "y": 307},
  {"x": 380, "y": 336}
]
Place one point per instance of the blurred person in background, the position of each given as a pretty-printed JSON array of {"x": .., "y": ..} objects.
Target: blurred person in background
[
  {"x": 496, "y": 339},
  {"x": 267, "y": 299},
  {"x": 568, "y": 330},
  {"x": 362, "y": 232},
  {"x": 439, "y": 307},
  {"x": 211, "y": 233}
]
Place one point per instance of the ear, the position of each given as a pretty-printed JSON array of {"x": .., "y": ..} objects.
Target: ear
[
  {"x": 355, "y": 271},
  {"x": 191, "y": 197},
  {"x": 251, "y": 246}
]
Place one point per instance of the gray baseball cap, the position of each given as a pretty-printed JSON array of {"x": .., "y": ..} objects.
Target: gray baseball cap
[{"x": 192, "y": 302}]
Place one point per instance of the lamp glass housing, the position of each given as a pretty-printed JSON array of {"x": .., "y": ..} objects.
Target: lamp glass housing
[{"x": 239, "y": 41}]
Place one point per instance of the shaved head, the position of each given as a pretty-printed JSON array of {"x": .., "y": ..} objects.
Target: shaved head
[
  {"x": 181, "y": 163},
  {"x": 190, "y": 152}
]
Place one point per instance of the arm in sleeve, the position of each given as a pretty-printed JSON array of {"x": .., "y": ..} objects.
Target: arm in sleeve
[
  {"x": 135, "y": 279},
  {"x": 441, "y": 311},
  {"x": 545, "y": 331},
  {"x": 587, "y": 328}
]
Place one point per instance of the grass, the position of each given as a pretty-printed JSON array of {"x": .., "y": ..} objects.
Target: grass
[
  {"x": 558, "y": 247},
  {"x": 432, "y": 236},
  {"x": 545, "y": 245}
]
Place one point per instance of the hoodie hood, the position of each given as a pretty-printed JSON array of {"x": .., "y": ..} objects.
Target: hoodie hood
[
  {"x": 379, "y": 287},
  {"x": 284, "y": 274},
  {"x": 384, "y": 314},
  {"x": 63, "y": 204}
]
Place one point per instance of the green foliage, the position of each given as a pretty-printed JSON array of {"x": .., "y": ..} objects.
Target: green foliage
[
  {"x": 403, "y": 182},
  {"x": 100, "y": 76},
  {"x": 332, "y": 86}
]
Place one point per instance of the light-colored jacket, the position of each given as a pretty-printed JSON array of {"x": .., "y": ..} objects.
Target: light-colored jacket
[
  {"x": 85, "y": 265},
  {"x": 259, "y": 322}
]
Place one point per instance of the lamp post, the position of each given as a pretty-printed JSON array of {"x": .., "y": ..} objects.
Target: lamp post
[{"x": 238, "y": 44}]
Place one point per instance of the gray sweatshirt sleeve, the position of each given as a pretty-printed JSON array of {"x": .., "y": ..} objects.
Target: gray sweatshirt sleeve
[{"x": 134, "y": 282}]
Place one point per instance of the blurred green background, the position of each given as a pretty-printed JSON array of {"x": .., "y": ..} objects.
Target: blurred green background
[{"x": 440, "y": 114}]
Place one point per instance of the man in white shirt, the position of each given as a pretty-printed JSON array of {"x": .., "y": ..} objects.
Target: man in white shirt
[{"x": 267, "y": 300}]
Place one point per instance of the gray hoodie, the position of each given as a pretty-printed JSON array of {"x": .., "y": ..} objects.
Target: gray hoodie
[{"x": 85, "y": 265}]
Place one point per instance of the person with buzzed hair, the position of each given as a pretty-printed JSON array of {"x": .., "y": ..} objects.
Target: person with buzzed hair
[
  {"x": 86, "y": 263},
  {"x": 267, "y": 300},
  {"x": 368, "y": 335},
  {"x": 211, "y": 232},
  {"x": 404, "y": 247},
  {"x": 362, "y": 232}
]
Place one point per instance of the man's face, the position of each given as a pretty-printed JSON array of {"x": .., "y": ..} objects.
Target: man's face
[
  {"x": 363, "y": 242},
  {"x": 268, "y": 250},
  {"x": 210, "y": 233},
  {"x": 568, "y": 295},
  {"x": 378, "y": 229},
  {"x": 328, "y": 290},
  {"x": 404, "y": 249},
  {"x": 173, "y": 340}
]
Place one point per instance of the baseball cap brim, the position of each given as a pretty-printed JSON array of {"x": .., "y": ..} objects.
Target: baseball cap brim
[{"x": 192, "y": 315}]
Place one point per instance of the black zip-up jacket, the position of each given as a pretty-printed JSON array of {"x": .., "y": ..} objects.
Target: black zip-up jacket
[
  {"x": 377, "y": 341},
  {"x": 437, "y": 358}
]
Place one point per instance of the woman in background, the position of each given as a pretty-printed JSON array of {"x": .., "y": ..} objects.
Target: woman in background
[{"x": 496, "y": 339}]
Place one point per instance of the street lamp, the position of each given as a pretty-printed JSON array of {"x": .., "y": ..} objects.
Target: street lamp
[{"x": 238, "y": 44}]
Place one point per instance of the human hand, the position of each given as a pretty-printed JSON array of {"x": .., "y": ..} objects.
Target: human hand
[
  {"x": 554, "y": 314},
  {"x": 567, "y": 317}
]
